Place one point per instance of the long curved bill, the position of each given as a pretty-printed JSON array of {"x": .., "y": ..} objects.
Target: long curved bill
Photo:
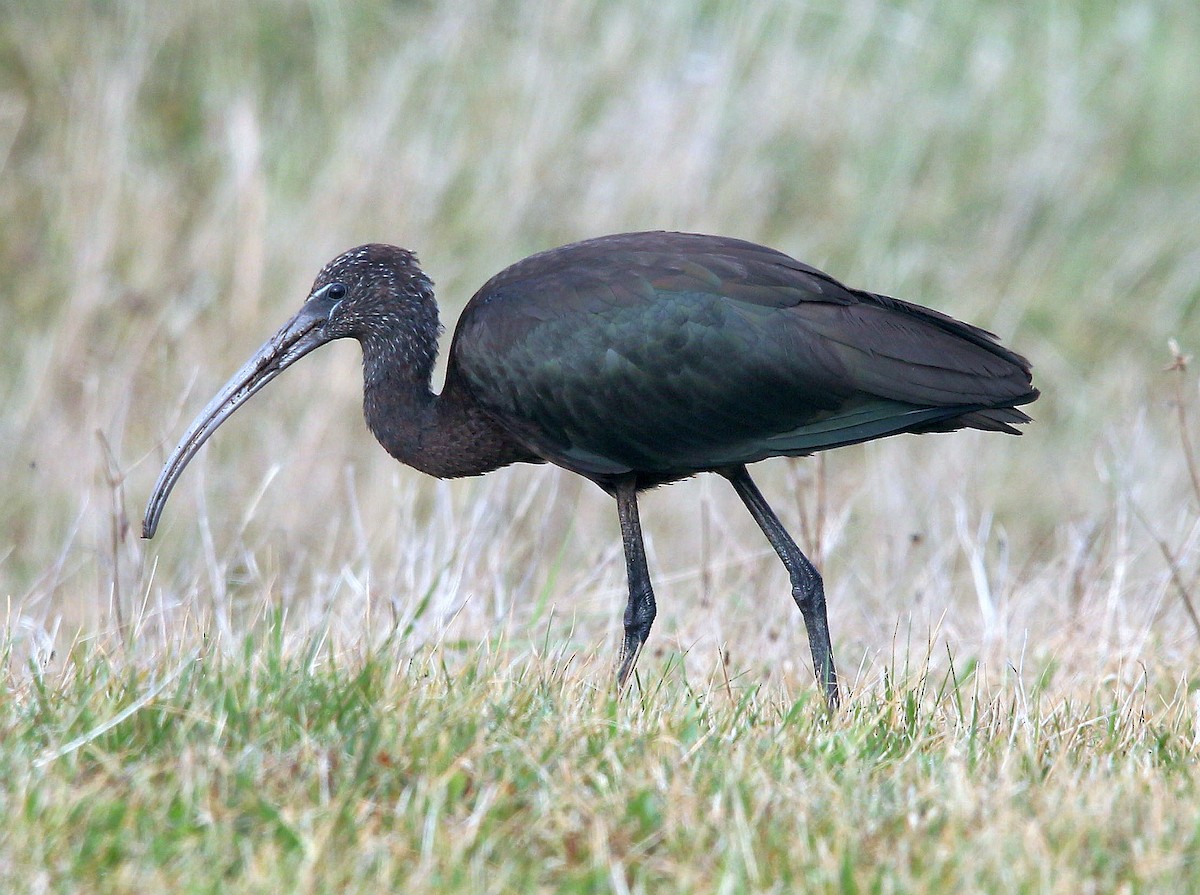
[{"x": 300, "y": 335}]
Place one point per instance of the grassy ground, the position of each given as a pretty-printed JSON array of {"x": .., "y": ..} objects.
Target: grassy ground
[
  {"x": 330, "y": 674},
  {"x": 275, "y": 771}
]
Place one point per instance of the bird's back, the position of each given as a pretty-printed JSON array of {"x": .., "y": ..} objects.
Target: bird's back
[{"x": 669, "y": 353}]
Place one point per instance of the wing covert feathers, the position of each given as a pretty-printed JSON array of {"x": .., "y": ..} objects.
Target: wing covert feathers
[{"x": 670, "y": 353}]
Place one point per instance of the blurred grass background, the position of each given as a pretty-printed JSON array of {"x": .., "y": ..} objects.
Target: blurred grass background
[{"x": 174, "y": 176}]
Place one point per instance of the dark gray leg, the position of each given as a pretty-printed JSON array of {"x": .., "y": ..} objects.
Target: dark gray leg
[
  {"x": 640, "y": 610},
  {"x": 807, "y": 589}
]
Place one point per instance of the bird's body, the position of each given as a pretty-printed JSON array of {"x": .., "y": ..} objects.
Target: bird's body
[
  {"x": 636, "y": 360},
  {"x": 668, "y": 354}
]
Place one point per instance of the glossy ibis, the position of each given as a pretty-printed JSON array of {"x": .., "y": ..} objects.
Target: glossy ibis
[{"x": 636, "y": 360}]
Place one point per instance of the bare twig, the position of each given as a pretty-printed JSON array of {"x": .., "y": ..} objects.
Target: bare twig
[
  {"x": 1080, "y": 556},
  {"x": 1179, "y": 364},
  {"x": 118, "y": 522},
  {"x": 1181, "y": 588},
  {"x": 723, "y": 656}
]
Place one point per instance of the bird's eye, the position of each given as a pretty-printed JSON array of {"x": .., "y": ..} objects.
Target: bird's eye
[{"x": 336, "y": 291}]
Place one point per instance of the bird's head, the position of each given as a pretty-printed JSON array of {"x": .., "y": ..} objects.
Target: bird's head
[
  {"x": 370, "y": 291},
  {"x": 374, "y": 293}
]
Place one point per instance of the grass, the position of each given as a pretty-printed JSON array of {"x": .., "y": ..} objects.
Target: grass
[
  {"x": 330, "y": 674},
  {"x": 467, "y": 771}
]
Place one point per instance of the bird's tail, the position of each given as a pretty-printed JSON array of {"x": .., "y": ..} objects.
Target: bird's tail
[{"x": 992, "y": 419}]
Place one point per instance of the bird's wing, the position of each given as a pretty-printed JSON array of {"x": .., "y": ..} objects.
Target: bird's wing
[{"x": 679, "y": 352}]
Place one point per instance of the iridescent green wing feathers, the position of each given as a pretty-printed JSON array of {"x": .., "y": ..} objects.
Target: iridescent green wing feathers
[{"x": 678, "y": 352}]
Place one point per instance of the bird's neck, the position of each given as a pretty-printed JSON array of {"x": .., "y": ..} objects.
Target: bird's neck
[{"x": 446, "y": 435}]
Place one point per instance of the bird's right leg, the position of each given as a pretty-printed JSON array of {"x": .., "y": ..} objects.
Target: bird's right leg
[
  {"x": 807, "y": 589},
  {"x": 640, "y": 610}
]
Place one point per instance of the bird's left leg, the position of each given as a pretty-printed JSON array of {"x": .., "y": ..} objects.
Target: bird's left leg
[
  {"x": 807, "y": 589},
  {"x": 640, "y": 610}
]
